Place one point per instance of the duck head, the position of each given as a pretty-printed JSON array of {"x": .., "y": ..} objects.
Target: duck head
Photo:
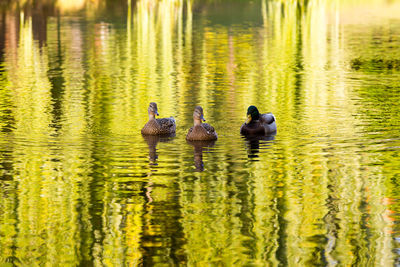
[
  {"x": 152, "y": 110},
  {"x": 198, "y": 115},
  {"x": 252, "y": 114}
]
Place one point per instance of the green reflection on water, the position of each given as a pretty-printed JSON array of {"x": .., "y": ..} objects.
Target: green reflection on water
[{"x": 80, "y": 185}]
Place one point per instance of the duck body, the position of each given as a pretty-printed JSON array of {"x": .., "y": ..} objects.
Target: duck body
[
  {"x": 164, "y": 126},
  {"x": 201, "y": 131},
  {"x": 258, "y": 124}
]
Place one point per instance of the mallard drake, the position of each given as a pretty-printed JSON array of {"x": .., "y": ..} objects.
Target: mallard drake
[
  {"x": 258, "y": 124},
  {"x": 155, "y": 126},
  {"x": 201, "y": 131}
]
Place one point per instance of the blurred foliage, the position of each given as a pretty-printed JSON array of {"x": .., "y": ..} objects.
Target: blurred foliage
[
  {"x": 378, "y": 64},
  {"x": 80, "y": 186}
]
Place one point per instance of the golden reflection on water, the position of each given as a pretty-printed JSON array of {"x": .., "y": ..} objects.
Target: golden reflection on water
[{"x": 80, "y": 185}]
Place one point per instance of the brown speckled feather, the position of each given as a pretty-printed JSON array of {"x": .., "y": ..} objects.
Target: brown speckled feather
[
  {"x": 202, "y": 132},
  {"x": 167, "y": 125},
  {"x": 209, "y": 128},
  {"x": 159, "y": 126}
]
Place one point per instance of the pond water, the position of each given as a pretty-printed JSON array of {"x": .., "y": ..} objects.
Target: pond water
[{"x": 80, "y": 185}]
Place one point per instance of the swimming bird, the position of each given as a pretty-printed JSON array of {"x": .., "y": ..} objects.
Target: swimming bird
[
  {"x": 201, "y": 131},
  {"x": 258, "y": 124},
  {"x": 155, "y": 126}
]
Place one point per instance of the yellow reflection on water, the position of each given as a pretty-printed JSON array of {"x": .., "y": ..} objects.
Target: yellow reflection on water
[
  {"x": 86, "y": 187},
  {"x": 68, "y": 5}
]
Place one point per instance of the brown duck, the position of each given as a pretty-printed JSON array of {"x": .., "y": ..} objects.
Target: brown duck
[
  {"x": 164, "y": 126},
  {"x": 201, "y": 131}
]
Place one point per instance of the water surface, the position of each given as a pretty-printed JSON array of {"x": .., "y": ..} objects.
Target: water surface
[{"x": 80, "y": 185}]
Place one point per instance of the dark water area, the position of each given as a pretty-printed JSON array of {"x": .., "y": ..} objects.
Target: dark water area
[{"x": 80, "y": 185}]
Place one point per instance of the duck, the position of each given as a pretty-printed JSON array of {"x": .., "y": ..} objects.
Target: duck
[
  {"x": 258, "y": 124},
  {"x": 164, "y": 126},
  {"x": 201, "y": 131}
]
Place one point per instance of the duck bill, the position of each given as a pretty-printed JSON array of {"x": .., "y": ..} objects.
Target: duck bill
[
  {"x": 202, "y": 118},
  {"x": 248, "y": 119},
  {"x": 157, "y": 113}
]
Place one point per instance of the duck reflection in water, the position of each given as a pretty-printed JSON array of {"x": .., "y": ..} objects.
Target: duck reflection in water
[
  {"x": 152, "y": 141},
  {"x": 253, "y": 144},
  {"x": 200, "y": 146}
]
